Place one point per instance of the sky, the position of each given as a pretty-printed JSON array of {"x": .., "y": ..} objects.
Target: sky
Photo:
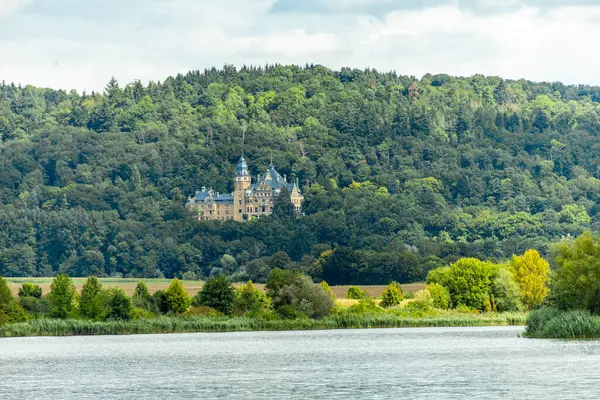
[{"x": 81, "y": 44}]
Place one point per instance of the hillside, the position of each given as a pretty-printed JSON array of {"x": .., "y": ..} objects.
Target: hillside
[{"x": 400, "y": 175}]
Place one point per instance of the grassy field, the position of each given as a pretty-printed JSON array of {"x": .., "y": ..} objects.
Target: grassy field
[{"x": 128, "y": 285}]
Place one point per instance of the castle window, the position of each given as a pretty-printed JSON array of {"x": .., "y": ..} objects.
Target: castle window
[
  {"x": 263, "y": 209},
  {"x": 255, "y": 209}
]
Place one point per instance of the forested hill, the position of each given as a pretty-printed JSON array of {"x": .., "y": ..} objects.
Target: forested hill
[{"x": 405, "y": 174}]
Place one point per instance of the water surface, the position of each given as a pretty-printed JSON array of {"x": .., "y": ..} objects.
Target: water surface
[{"x": 420, "y": 363}]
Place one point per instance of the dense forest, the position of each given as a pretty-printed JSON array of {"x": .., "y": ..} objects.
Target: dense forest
[{"x": 401, "y": 175}]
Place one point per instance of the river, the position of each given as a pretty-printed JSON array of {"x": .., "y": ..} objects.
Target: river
[{"x": 427, "y": 363}]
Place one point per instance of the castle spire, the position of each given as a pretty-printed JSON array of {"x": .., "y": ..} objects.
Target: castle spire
[{"x": 242, "y": 167}]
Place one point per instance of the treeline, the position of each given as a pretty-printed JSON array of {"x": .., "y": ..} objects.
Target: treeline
[
  {"x": 288, "y": 294},
  {"x": 400, "y": 175}
]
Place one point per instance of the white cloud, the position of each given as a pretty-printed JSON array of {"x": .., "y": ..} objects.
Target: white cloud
[
  {"x": 8, "y": 6},
  {"x": 169, "y": 36}
]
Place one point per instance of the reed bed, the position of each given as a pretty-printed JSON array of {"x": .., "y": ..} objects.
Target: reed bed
[
  {"x": 71, "y": 327},
  {"x": 550, "y": 323}
]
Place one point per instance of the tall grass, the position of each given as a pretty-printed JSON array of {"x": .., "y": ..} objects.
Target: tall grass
[
  {"x": 551, "y": 323},
  {"x": 53, "y": 327}
]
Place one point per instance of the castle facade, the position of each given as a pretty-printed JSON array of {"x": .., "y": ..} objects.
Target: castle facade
[{"x": 248, "y": 199}]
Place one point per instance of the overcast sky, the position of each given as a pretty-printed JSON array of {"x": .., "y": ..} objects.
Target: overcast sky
[{"x": 80, "y": 44}]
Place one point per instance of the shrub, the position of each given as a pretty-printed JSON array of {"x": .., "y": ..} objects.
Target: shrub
[
  {"x": 302, "y": 297},
  {"x": 505, "y": 292},
  {"x": 327, "y": 288},
  {"x": 250, "y": 299},
  {"x": 177, "y": 297},
  {"x": 355, "y": 293},
  {"x": 118, "y": 304},
  {"x": 141, "y": 297},
  {"x": 159, "y": 303},
  {"x": 62, "y": 296},
  {"x": 217, "y": 293},
  {"x": 278, "y": 278},
  {"x": 10, "y": 311},
  {"x": 365, "y": 305},
  {"x": 575, "y": 282},
  {"x": 468, "y": 281},
  {"x": 91, "y": 303},
  {"x": 440, "y": 298},
  {"x": 391, "y": 296},
  {"x": 30, "y": 290},
  {"x": 202, "y": 310}
]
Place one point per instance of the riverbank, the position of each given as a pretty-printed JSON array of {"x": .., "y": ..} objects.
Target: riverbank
[{"x": 161, "y": 325}]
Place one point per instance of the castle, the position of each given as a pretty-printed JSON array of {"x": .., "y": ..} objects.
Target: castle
[{"x": 248, "y": 200}]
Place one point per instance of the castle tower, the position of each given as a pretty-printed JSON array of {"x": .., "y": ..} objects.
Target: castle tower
[
  {"x": 242, "y": 183},
  {"x": 297, "y": 197}
]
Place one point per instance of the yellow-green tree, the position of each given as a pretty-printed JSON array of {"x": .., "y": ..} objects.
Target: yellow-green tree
[
  {"x": 532, "y": 274},
  {"x": 177, "y": 297},
  {"x": 392, "y": 295}
]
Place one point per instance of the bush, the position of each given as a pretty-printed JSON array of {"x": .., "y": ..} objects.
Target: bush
[
  {"x": 365, "y": 305},
  {"x": 278, "y": 278},
  {"x": 177, "y": 297},
  {"x": 391, "y": 296},
  {"x": 118, "y": 305},
  {"x": 505, "y": 292},
  {"x": 62, "y": 296},
  {"x": 217, "y": 293},
  {"x": 300, "y": 296},
  {"x": 91, "y": 303},
  {"x": 30, "y": 290},
  {"x": 575, "y": 284},
  {"x": 250, "y": 299},
  {"x": 159, "y": 303},
  {"x": 327, "y": 288},
  {"x": 141, "y": 297},
  {"x": 440, "y": 298},
  {"x": 468, "y": 281},
  {"x": 355, "y": 293}
]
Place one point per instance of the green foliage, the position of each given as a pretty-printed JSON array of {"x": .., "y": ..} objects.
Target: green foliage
[
  {"x": 6, "y": 297},
  {"x": 279, "y": 278},
  {"x": 294, "y": 295},
  {"x": 91, "y": 302},
  {"x": 10, "y": 311},
  {"x": 250, "y": 299},
  {"x": 218, "y": 293},
  {"x": 505, "y": 292},
  {"x": 177, "y": 298},
  {"x": 159, "y": 302},
  {"x": 30, "y": 290},
  {"x": 551, "y": 323},
  {"x": 366, "y": 305},
  {"x": 62, "y": 296},
  {"x": 118, "y": 305},
  {"x": 327, "y": 288},
  {"x": 141, "y": 297},
  {"x": 355, "y": 293},
  {"x": 440, "y": 297},
  {"x": 405, "y": 174},
  {"x": 576, "y": 283},
  {"x": 468, "y": 282},
  {"x": 392, "y": 295}
]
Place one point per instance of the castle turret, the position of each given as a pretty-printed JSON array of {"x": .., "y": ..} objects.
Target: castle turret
[
  {"x": 242, "y": 183},
  {"x": 296, "y": 197}
]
